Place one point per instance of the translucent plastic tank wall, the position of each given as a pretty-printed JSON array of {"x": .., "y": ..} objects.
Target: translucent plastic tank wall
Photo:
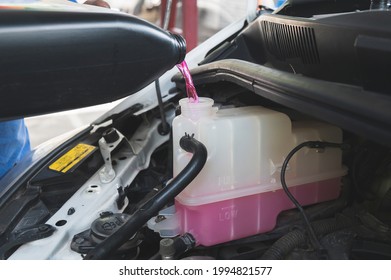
[{"x": 238, "y": 192}]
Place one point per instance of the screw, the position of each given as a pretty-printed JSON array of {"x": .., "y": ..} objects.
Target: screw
[{"x": 71, "y": 211}]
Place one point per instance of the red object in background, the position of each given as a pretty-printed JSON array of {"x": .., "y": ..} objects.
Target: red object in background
[{"x": 189, "y": 20}]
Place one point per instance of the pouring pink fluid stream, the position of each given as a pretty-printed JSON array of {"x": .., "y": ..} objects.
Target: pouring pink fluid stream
[{"x": 190, "y": 89}]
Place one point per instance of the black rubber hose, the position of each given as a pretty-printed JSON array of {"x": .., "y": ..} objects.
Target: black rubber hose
[
  {"x": 156, "y": 203},
  {"x": 283, "y": 246}
]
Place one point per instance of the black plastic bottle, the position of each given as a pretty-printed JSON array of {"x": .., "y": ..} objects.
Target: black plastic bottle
[{"x": 57, "y": 59}]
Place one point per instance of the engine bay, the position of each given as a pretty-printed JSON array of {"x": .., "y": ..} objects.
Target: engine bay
[
  {"x": 351, "y": 222},
  {"x": 275, "y": 165}
]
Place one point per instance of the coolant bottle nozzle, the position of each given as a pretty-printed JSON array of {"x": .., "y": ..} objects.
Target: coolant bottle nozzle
[{"x": 181, "y": 43}]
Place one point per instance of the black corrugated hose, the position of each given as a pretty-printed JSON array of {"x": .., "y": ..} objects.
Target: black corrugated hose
[
  {"x": 156, "y": 203},
  {"x": 283, "y": 246}
]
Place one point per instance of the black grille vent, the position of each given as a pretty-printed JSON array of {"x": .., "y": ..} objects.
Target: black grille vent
[{"x": 289, "y": 41}]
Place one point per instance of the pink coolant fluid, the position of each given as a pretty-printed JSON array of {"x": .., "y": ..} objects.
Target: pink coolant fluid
[{"x": 190, "y": 89}]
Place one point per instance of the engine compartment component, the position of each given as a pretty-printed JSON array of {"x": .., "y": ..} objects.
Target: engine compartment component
[
  {"x": 25, "y": 235},
  {"x": 238, "y": 193},
  {"x": 102, "y": 228},
  {"x": 110, "y": 140},
  {"x": 302, "y": 45},
  {"x": 95, "y": 197},
  {"x": 158, "y": 201}
]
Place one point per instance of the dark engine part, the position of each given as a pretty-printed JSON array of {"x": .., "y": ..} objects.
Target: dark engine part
[
  {"x": 171, "y": 249},
  {"x": 103, "y": 227},
  {"x": 25, "y": 235},
  {"x": 156, "y": 203},
  {"x": 282, "y": 247}
]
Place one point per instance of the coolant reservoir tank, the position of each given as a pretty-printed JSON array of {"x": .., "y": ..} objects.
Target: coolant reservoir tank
[
  {"x": 238, "y": 141},
  {"x": 238, "y": 192},
  {"x": 58, "y": 55}
]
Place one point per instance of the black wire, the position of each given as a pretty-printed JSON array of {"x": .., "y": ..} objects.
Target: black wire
[
  {"x": 165, "y": 128},
  {"x": 314, "y": 145}
]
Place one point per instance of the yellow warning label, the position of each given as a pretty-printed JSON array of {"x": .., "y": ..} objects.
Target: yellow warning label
[{"x": 72, "y": 157}]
